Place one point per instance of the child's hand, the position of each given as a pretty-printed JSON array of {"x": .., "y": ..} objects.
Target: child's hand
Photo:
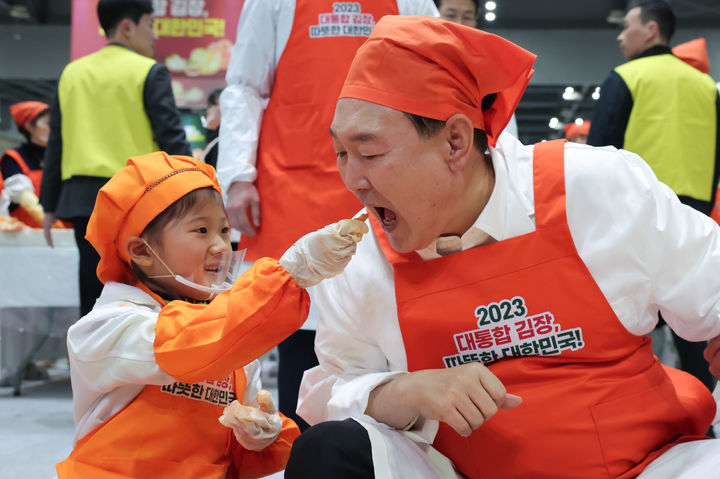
[
  {"x": 323, "y": 253},
  {"x": 254, "y": 428}
]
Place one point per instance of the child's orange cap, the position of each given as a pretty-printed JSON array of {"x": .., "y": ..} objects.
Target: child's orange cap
[
  {"x": 133, "y": 197},
  {"x": 434, "y": 68}
]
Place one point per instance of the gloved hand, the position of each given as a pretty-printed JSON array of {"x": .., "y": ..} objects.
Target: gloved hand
[
  {"x": 323, "y": 253},
  {"x": 30, "y": 203},
  {"x": 254, "y": 428}
]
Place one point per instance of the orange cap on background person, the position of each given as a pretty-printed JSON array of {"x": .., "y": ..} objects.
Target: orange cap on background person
[
  {"x": 27, "y": 111},
  {"x": 573, "y": 129},
  {"x": 435, "y": 68},
  {"x": 694, "y": 53},
  {"x": 133, "y": 197}
]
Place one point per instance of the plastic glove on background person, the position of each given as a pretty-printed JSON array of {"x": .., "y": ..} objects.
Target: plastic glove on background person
[
  {"x": 254, "y": 428},
  {"x": 323, "y": 253}
]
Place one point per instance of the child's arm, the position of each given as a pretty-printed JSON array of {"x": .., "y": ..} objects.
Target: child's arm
[{"x": 196, "y": 342}]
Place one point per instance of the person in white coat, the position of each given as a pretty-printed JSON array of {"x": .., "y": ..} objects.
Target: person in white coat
[{"x": 275, "y": 162}]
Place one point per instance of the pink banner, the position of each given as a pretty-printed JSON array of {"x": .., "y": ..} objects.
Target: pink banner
[{"x": 195, "y": 39}]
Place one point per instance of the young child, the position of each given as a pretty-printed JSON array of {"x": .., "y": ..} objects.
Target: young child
[{"x": 155, "y": 364}]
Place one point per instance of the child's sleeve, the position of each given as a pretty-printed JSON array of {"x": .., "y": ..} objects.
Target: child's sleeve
[
  {"x": 197, "y": 342},
  {"x": 251, "y": 464}
]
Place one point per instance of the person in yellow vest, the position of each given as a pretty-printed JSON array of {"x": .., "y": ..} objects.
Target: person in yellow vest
[
  {"x": 110, "y": 105},
  {"x": 22, "y": 166},
  {"x": 275, "y": 162},
  {"x": 164, "y": 368},
  {"x": 666, "y": 111},
  {"x": 494, "y": 322}
]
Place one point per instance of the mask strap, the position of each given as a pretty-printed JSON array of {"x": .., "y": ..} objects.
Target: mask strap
[{"x": 171, "y": 275}]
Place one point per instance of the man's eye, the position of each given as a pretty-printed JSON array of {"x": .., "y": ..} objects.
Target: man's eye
[{"x": 341, "y": 155}]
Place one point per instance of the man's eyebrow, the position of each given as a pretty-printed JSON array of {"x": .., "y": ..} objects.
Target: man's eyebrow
[{"x": 358, "y": 136}]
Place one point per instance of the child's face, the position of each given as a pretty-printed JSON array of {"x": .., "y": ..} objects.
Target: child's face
[{"x": 196, "y": 246}]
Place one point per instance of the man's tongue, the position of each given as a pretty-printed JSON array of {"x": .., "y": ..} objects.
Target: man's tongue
[{"x": 388, "y": 216}]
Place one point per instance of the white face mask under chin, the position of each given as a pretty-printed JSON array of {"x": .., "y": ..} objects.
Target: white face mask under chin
[{"x": 234, "y": 271}]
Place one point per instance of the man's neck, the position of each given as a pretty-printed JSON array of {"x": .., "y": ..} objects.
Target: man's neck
[{"x": 481, "y": 182}]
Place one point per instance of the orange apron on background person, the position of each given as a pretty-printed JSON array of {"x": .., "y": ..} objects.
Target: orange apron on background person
[
  {"x": 166, "y": 432},
  {"x": 297, "y": 177},
  {"x": 596, "y": 401},
  {"x": 36, "y": 178}
]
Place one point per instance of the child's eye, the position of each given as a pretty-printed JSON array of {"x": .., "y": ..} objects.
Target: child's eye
[
  {"x": 202, "y": 230},
  {"x": 225, "y": 230}
]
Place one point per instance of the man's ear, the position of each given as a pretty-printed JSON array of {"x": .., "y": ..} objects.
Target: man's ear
[
  {"x": 459, "y": 134},
  {"x": 124, "y": 29},
  {"x": 138, "y": 251},
  {"x": 653, "y": 30}
]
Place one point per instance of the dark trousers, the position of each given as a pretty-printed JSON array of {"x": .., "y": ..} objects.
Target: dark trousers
[
  {"x": 90, "y": 285},
  {"x": 333, "y": 449},
  {"x": 296, "y": 355}
]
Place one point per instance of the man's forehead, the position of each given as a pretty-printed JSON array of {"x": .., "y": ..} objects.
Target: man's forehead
[{"x": 361, "y": 118}]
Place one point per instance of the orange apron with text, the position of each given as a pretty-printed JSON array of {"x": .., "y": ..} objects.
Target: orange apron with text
[
  {"x": 297, "y": 177},
  {"x": 166, "y": 432},
  {"x": 36, "y": 178},
  {"x": 596, "y": 402}
]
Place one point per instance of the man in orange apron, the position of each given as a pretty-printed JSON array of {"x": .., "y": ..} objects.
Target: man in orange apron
[
  {"x": 22, "y": 166},
  {"x": 275, "y": 161},
  {"x": 494, "y": 325}
]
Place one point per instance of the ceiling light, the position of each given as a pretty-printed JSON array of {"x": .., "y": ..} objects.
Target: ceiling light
[
  {"x": 568, "y": 93},
  {"x": 596, "y": 94},
  {"x": 553, "y": 122},
  {"x": 579, "y": 121},
  {"x": 490, "y": 6},
  {"x": 490, "y": 16}
]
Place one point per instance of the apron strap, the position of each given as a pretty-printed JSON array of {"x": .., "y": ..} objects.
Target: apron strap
[{"x": 549, "y": 183}]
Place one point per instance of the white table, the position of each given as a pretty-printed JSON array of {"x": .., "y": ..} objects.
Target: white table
[{"x": 39, "y": 294}]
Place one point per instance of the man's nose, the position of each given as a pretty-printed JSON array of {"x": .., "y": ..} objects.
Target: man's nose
[{"x": 354, "y": 176}]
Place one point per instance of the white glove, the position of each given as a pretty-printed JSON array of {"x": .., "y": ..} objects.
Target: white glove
[
  {"x": 254, "y": 428},
  {"x": 16, "y": 185},
  {"x": 323, "y": 253}
]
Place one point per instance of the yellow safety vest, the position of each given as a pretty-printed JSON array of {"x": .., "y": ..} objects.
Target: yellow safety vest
[
  {"x": 673, "y": 122},
  {"x": 103, "y": 113}
]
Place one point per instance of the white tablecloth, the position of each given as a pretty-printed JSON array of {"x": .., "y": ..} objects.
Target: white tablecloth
[
  {"x": 38, "y": 294},
  {"x": 33, "y": 274}
]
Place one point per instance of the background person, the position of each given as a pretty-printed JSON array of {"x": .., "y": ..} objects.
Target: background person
[
  {"x": 89, "y": 142},
  {"x": 22, "y": 166},
  {"x": 463, "y": 12},
  {"x": 275, "y": 161},
  {"x": 577, "y": 133},
  {"x": 666, "y": 111},
  {"x": 512, "y": 286}
]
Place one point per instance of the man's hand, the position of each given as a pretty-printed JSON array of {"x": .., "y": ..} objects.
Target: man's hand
[
  {"x": 48, "y": 222},
  {"x": 712, "y": 356},
  {"x": 241, "y": 196},
  {"x": 463, "y": 397}
]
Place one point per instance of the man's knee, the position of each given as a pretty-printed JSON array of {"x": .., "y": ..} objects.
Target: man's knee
[{"x": 331, "y": 449}]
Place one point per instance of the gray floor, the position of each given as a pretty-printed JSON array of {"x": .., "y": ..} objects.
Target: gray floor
[{"x": 36, "y": 428}]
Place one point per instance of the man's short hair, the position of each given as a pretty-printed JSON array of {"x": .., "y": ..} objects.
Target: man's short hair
[
  {"x": 659, "y": 11},
  {"x": 112, "y": 12}
]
